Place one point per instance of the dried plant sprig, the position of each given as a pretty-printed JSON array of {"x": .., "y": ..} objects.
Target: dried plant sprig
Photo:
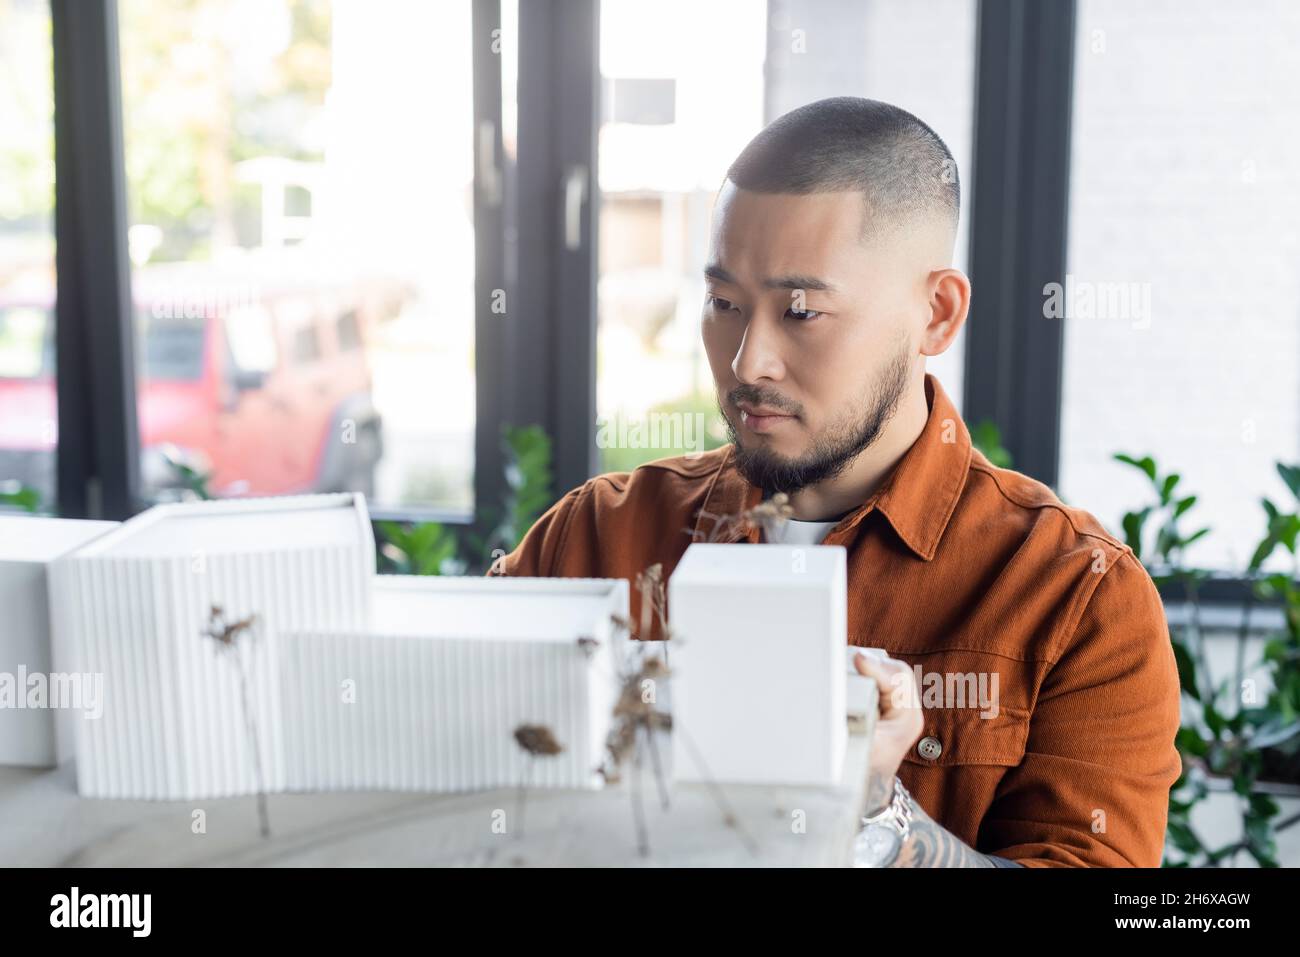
[
  {"x": 634, "y": 714},
  {"x": 724, "y": 527},
  {"x": 770, "y": 515},
  {"x": 650, "y": 585},
  {"x": 227, "y": 635},
  {"x": 636, "y": 717},
  {"x": 537, "y": 740}
]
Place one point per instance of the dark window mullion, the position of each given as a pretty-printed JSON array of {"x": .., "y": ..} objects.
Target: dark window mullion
[
  {"x": 551, "y": 366},
  {"x": 1019, "y": 204},
  {"x": 98, "y": 450},
  {"x": 490, "y": 275}
]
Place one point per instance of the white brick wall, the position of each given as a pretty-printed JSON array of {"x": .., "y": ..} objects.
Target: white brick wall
[{"x": 1186, "y": 176}]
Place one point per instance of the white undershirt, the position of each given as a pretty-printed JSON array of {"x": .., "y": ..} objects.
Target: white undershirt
[{"x": 804, "y": 533}]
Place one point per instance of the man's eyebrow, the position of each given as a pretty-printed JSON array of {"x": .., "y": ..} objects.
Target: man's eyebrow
[
  {"x": 799, "y": 282},
  {"x": 714, "y": 271}
]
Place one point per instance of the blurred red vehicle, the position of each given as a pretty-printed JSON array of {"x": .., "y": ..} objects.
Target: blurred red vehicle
[{"x": 259, "y": 383}]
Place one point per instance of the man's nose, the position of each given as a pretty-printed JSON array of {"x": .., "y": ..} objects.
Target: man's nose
[{"x": 759, "y": 354}]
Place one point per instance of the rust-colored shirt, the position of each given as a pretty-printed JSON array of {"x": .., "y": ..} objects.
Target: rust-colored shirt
[{"x": 973, "y": 573}]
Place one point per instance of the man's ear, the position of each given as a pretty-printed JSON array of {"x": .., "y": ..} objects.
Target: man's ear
[{"x": 948, "y": 295}]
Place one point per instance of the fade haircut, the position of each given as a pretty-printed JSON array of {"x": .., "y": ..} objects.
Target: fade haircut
[{"x": 846, "y": 143}]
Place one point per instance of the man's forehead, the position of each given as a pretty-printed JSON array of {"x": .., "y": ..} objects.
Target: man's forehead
[
  {"x": 770, "y": 239},
  {"x": 844, "y": 210},
  {"x": 780, "y": 234},
  {"x": 785, "y": 241}
]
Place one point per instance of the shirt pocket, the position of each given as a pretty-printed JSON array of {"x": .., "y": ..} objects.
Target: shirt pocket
[{"x": 960, "y": 736}]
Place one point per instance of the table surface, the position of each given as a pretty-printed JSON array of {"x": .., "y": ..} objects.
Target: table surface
[{"x": 43, "y": 822}]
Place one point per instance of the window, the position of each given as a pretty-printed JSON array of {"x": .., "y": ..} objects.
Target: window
[
  {"x": 664, "y": 148},
  {"x": 1184, "y": 263},
  {"x": 291, "y": 156},
  {"x": 26, "y": 343},
  {"x": 917, "y": 55},
  {"x": 28, "y": 413},
  {"x": 170, "y": 349}
]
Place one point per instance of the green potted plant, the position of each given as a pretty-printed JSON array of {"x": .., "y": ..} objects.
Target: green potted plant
[{"x": 1233, "y": 734}]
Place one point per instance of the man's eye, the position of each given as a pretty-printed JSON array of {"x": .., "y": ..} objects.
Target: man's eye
[
  {"x": 802, "y": 314},
  {"x": 722, "y": 305}
]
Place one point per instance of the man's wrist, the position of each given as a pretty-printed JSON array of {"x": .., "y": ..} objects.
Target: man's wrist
[
  {"x": 880, "y": 793},
  {"x": 884, "y": 833}
]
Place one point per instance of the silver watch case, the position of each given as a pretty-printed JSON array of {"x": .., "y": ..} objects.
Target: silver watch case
[{"x": 883, "y": 834}]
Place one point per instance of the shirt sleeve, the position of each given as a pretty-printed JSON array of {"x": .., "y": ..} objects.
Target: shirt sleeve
[
  {"x": 537, "y": 554},
  {"x": 1093, "y": 788}
]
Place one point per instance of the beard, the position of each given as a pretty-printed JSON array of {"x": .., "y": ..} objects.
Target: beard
[{"x": 833, "y": 451}]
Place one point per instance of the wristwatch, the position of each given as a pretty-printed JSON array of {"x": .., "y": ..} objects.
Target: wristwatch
[{"x": 883, "y": 833}]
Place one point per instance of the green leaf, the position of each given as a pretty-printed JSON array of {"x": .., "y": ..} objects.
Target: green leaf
[
  {"x": 1146, "y": 463},
  {"x": 1262, "y": 551},
  {"x": 1288, "y": 526},
  {"x": 987, "y": 437},
  {"x": 1291, "y": 476},
  {"x": 1264, "y": 805},
  {"x": 1132, "y": 523},
  {"x": 1213, "y": 720},
  {"x": 1186, "y": 670},
  {"x": 21, "y": 497},
  {"x": 1166, "y": 540},
  {"x": 528, "y": 476},
  {"x": 1189, "y": 741},
  {"x": 1183, "y": 837},
  {"x": 1166, "y": 491}
]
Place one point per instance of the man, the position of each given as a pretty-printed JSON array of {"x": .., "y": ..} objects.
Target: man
[{"x": 829, "y": 282}]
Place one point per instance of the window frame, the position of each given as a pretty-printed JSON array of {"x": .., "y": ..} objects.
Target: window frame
[{"x": 97, "y": 465}]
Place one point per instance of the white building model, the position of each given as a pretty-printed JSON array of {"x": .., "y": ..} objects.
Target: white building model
[
  {"x": 429, "y": 697},
  {"x": 354, "y": 681},
  {"x": 31, "y": 693},
  {"x": 134, "y": 604},
  {"x": 347, "y": 680},
  {"x": 759, "y": 691}
]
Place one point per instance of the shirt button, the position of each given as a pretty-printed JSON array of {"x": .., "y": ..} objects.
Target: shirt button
[{"x": 929, "y": 747}]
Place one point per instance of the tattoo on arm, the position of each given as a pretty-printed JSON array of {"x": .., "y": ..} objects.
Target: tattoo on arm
[{"x": 929, "y": 845}]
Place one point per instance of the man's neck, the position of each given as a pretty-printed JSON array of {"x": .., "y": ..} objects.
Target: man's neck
[{"x": 857, "y": 483}]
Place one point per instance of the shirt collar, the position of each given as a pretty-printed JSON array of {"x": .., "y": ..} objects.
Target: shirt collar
[{"x": 918, "y": 498}]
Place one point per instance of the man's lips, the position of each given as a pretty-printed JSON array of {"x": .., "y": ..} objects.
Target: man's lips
[
  {"x": 761, "y": 410},
  {"x": 760, "y": 419}
]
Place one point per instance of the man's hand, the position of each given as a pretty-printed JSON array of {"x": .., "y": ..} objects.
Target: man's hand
[{"x": 898, "y": 726}]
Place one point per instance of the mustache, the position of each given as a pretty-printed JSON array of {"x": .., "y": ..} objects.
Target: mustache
[{"x": 755, "y": 396}]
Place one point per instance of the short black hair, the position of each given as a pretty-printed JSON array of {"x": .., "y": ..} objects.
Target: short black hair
[{"x": 849, "y": 143}]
